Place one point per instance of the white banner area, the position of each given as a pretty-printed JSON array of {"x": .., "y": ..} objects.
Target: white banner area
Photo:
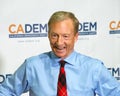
[{"x": 23, "y": 31}]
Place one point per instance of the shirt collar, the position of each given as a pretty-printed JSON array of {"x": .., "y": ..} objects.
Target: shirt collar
[
  {"x": 70, "y": 59},
  {"x": 54, "y": 59}
]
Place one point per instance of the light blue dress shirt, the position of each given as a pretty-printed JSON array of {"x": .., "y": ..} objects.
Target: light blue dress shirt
[{"x": 85, "y": 76}]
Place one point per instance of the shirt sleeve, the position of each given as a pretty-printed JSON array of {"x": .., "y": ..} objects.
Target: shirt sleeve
[
  {"x": 16, "y": 84},
  {"x": 107, "y": 85}
]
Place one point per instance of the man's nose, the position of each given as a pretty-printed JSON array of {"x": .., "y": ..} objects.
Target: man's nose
[{"x": 60, "y": 40}]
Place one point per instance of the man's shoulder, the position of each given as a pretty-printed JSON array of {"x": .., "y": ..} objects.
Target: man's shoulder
[
  {"x": 86, "y": 59},
  {"x": 40, "y": 56}
]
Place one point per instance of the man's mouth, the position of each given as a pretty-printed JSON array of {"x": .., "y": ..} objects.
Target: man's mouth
[{"x": 59, "y": 48}]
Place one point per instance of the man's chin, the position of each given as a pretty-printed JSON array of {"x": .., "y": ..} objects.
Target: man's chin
[{"x": 60, "y": 55}]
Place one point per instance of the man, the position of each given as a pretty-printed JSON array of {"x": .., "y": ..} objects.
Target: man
[{"x": 85, "y": 76}]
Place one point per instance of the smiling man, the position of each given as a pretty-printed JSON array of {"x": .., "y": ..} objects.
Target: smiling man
[
  {"x": 62, "y": 71},
  {"x": 62, "y": 36}
]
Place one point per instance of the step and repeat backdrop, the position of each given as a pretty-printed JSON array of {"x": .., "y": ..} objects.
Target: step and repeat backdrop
[{"x": 23, "y": 31}]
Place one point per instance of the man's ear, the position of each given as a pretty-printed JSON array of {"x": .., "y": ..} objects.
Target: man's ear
[{"x": 76, "y": 36}]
